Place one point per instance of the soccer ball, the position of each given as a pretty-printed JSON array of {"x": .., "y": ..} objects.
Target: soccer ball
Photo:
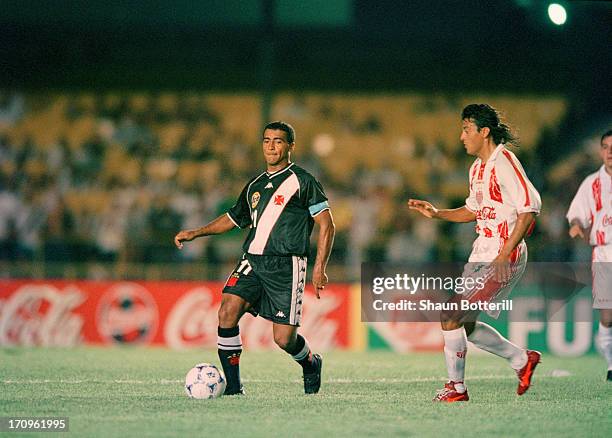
[{"x": 205, "y": 381}]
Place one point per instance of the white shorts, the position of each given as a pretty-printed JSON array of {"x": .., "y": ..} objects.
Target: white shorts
[
  {"x": 494, "y": 291},
  {"x": 602, "y": 277}
]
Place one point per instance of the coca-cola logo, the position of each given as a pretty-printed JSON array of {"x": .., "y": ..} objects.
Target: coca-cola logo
[
  {"x": 607, "y": 220},
  {"x": 127, "y": 314},
  {"x": 61, "y": 313},
  {"x": 193, "y": 320},
  {"x": 486, "y": 213},
  {"x": 41, "y": 315}
]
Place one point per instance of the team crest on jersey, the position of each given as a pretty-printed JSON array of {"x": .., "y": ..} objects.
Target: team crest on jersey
[
  {"x": 479, "y": 189},
  {"x": 479, "y": 197},
  {"x": 279, "y": 199},
  {"x": 255, "y": 199}
]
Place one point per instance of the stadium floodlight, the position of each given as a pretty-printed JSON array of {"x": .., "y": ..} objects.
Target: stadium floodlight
[{"x": 557, "y": 14}]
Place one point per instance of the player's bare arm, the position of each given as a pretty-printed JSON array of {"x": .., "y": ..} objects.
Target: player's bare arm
[
  {"x": 218, "y": 226},
  {"x": 502, "y": 261},
  {"x": 327, "y": 230},
  {"x": 461, "y": 214}
]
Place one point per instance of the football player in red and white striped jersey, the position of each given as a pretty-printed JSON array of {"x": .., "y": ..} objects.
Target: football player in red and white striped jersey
[
  {"x": 590, "y": 218},
  {"x": 504, "y": 203}
]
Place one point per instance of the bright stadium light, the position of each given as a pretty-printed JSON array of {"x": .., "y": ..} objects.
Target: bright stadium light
[{"x": 557, "y": 14}]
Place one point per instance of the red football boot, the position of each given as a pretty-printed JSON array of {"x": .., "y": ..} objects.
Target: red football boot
[
  {"x": 526, "y": 373},
  {"x": 449, "y": 394}
]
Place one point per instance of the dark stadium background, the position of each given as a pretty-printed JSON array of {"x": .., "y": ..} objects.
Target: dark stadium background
[{"x": 126, "y": 73}]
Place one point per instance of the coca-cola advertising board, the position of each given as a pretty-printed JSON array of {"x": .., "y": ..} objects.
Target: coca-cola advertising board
[{"x": 174, "y": 314}]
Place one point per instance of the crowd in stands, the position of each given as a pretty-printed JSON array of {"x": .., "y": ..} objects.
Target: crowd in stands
[{"x": 110, "y": 177}]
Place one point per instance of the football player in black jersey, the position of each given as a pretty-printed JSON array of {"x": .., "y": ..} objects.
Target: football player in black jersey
[{"x": 279, "y": 207}]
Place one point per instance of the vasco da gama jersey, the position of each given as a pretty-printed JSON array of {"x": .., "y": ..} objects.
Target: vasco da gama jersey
[{"x": 279, "y": 208}]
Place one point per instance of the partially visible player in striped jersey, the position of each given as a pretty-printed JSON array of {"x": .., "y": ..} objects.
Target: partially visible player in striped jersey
[
  {"x": 504, "y": 203},
  {"x": 590, "y": 217},
  {"x": 280, "y": 208}
]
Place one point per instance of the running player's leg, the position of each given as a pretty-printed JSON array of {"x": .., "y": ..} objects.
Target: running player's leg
[
  {"x": 241, "y": 293},
  {"x": 602, "y": 301},
  {"x": 229, "y": 344},
  {"x": 283, "y": 280},
  {"x": 487, "y": 338},
  {"x": 455, "y": 351},
  {"x": 455, "y": 339},
  {"x": 522, "y": 361},
  {"x": 287, "y": 338},
  {"x": 605, "y": 338}
]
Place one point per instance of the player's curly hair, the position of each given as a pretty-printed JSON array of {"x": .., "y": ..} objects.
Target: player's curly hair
[
  {"x": 608, "y": 133},
  {"x": 485, "y": 116},
  {"x": 282, "y": 126}
]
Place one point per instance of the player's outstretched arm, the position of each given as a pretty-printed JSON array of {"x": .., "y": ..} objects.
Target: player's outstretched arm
[
  {"x": 220, "y": 225},
  {"x": 461, "y": 214},
  {"x": 327, "y": 231}
]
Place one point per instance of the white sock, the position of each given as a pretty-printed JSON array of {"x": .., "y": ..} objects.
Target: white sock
[
  {"x": 486, "y": 337},
  {"x": 455, "y": 350},
  {"x": 605, "y": 343}
]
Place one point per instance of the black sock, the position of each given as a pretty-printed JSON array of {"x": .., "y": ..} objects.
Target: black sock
[
  {"x": 301, "y": 354},
  {"x": 229, "y": 349}
]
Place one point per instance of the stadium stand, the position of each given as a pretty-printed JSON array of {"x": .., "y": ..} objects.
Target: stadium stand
[{"x": 106, "y": 179}]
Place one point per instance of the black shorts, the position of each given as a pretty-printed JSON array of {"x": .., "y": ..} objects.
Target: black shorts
[{"x": 273, "y": 285}]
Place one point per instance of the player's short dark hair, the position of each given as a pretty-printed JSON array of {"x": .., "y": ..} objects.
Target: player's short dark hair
[
  {"x": 608, "y": 133},
  {"x": 282, "y": 126},
  {"x": 485, "y": 116}
]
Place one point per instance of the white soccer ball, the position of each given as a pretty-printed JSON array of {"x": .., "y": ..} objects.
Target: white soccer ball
[{"x": 205, "y": 381}]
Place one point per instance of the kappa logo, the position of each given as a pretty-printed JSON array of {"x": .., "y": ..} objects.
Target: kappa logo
[
  {"x": 280, "y": 314},
  {"x": 255, "y": 199},
  {"x": 279, "y": 199},
  {"x": 269, "y": 186}
]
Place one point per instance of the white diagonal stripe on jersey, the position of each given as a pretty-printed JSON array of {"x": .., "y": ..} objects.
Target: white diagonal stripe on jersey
[{"x": 271, "y": 213}]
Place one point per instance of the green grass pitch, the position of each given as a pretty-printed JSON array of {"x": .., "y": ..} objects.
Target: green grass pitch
[{"x": 126, "y": 392}]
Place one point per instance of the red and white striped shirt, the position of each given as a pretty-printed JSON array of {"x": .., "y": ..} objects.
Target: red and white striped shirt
[
  {"x": 499, "y": 192},
  {"x": 592, "y": 207}
]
